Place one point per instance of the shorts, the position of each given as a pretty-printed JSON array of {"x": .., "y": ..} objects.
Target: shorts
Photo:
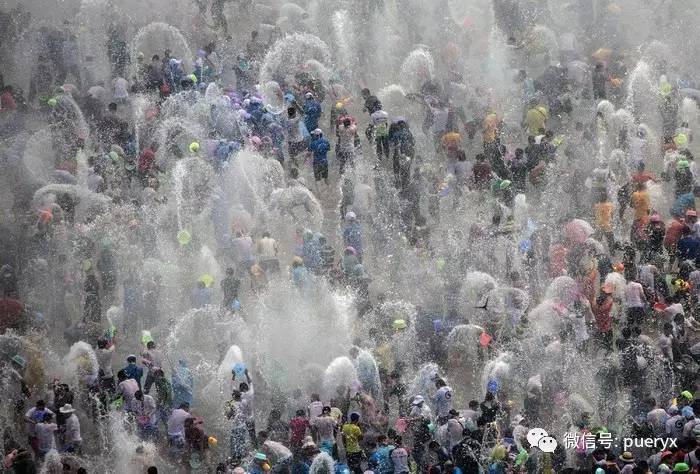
[
  {"x": 296, "y": 147},
  {"x": 320, "y": 171}
]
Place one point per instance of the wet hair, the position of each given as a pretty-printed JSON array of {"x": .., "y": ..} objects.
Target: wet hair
[
  {"x": 326, "y": 409},
  {"x": 440, "y": 383},
  {"x": 354, "y": 417},
  {"x": 266, "y": 234},
  {"x": 254, "y": 34},
  {"x": 243, "y": 387},
  {"x": 40, "y": 403},
  {"x": 138, "y": 395},
  {"x": 398, "y": 439},
  {"x": 184, "y": 406},
  {"x": 48, "y": 416},
  {"x": 112, "y": 106},
  {"x": 131, "y": 359},
  {"x": 300, "y": 413},
  {"x": 121, "y": 375},
  {"x": 474, "y": 404},
  {"x": 155, "y": 57},
  {"x": 365, "y": 92},
  {"x": 151, "y": 345},
  {"x": 152, "y": 470},
  {"x": 291, "y": 112},
  {"x": 262, "y": 435},
  {"x": 347, "y": 122}
]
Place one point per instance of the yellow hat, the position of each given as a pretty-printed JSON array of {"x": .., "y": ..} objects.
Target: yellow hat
[
  {"x": 194, "y": 147},
  {"x": 400, "y": 324},
  {"x": 212, "y": 442}
]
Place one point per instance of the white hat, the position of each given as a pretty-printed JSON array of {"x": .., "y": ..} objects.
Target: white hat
[
  {"x": 309, "y": 95},
  {"x": 417, "y": 400},
  {"x": 67, "y": 408},
  {"x": 351, "y": 216},
  {"x": 317, "y": 131}
]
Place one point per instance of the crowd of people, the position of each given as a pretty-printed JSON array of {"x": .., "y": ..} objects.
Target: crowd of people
[{"x": 633, "y": 305}]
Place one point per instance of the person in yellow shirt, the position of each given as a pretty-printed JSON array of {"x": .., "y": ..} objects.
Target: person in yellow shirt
[
  {"x": 603, "y": 211},
  {"x": 536, "y": 119},
  {"x": 352, "y": 435}
]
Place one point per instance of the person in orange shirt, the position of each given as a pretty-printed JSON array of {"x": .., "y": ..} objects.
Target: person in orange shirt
[
  {"x": 451, "y": 141},
  {"x": 641, "y": 204},
  {"x": 491, "y": 128},
  {"x": 603, "y": 211}
]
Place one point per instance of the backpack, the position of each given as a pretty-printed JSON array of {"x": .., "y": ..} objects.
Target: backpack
[{"x": 381, "y": 130}]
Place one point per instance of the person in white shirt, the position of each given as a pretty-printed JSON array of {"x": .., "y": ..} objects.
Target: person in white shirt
[
  {"x": 46, "y": 441},
  {"x": 121, "y": 89},
  {"x": 72, "y": 439},
  {"x": 315, "y": 407},
  {"x": 634, "y": 302},
  {"x": 443, "y": 401},
  {"x": 144, "y": 407},
  {"x": 153, "y": 360},
  {"x": 104, "y": 361},
  {"x": 126, "y": 388},
  {"x": 248, "y": 399},
  {"x": 267, "y": 250},
  {"x": 278, "y": 454},
  {"x": 176, "y": 424}
]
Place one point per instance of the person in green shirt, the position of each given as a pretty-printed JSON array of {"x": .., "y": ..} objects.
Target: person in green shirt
[
  {"x": 352, "y": 435},
  {"x": 163, "y": 395}
]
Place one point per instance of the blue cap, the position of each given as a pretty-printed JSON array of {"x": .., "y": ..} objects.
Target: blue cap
[{"x": 492, "y": 386}]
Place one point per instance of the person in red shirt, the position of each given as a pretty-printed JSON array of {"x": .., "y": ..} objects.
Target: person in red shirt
[
  {"x": 147, "y": 161},
  {"x": 642, "y": 176},
  {"x": 673, "y": 234},
  {"x": 557, "y": 260},
  {"x": 7, "y": 100},
  {"x": 603, "y": 319},
  {"x": 11, "y": 311},
  {"x": 298, "y": 427}
]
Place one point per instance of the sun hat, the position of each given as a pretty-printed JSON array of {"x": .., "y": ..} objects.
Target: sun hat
[{"x": 627, "y": 457}]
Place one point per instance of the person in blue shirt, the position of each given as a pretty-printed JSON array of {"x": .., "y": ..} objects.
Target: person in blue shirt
[
  {"x": 319, "y": 147},
  {"x": 132, "y": 370},
  {"x": 312, "y": 112},
  {"x": 381, "y": 458},
  {"x": 688, "y": 247}
]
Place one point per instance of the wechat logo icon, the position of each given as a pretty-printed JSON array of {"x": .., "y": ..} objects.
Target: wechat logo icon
[{"x": 539, "y": 437}]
